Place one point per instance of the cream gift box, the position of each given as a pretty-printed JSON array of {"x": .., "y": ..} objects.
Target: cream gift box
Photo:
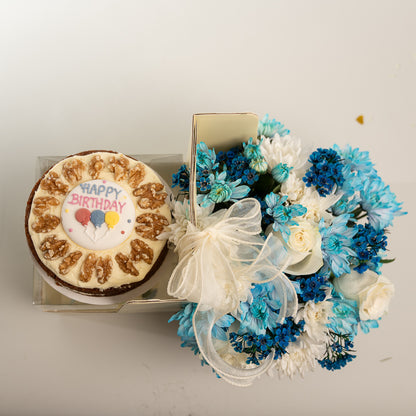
[{"x": 218, "y": 130}]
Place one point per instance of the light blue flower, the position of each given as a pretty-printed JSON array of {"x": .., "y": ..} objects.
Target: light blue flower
[
  {"x": 355, "y": 159},
  {"x": 380, "y": 203},
  {"x": 205, "y": 158},
  {"x": 281, "y": 172},
  {"x": 345, "y": 205},
  {"x": 251, "y": 151},
  {"x": 336, "y": 244},
  {"x": 186, "y": 330},
  {"x": 269, "y": 128},
  {"x": 223, "y": 190},
  {"x": 345, "y": 318},
  {"x": 259, "y": 312},
  {"x": 367, "y": 325},
  {"x": 282, "y": 214}
]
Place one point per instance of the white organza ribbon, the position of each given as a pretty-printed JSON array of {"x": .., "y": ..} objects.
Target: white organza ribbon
[{"x": 217, "y": 266}]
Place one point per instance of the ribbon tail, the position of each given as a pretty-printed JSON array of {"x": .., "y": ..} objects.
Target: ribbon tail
[{"x": 203, "y": 322}]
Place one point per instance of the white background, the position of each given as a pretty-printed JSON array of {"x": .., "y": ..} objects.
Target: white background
[{"x": 128, "y": 75}]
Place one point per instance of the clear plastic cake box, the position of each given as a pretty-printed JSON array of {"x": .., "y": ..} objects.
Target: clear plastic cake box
[{"x": 218, "y": 130}]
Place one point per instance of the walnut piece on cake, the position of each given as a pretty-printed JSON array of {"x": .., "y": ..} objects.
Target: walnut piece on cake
[
  {"x": 72, "y": 170},
  {"x": 150, "y": 195},
  {"x": 119, "y": 166},
  {"x": 69, "y": 262},
  {"x": 45, "y": 223},
  {"x": 95, "y": 166},
  {"x": 151, "y": 225},
  {"x": 141, "y": 251},
  {"x": 136, "y": 175},
  {"x": 126, "y": 264},
  {"x": 103, "y": 267},
  {"x": 53, "y": 248},
  {"x": 53, "y": 185},
  {"x": 43, "y": 203},
  {"x": 88, "y": 268}
]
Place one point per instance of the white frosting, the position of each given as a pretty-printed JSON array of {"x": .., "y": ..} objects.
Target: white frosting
[
  {"x": 120, "y": 243},
  {"x": 96, "y": 229}
]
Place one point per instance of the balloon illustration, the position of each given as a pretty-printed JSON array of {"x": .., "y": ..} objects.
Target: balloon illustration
[
  {"x": 97, "y": 218},
  {"x": 83, "y": 216},
  {"x": 111, "y": 218}
]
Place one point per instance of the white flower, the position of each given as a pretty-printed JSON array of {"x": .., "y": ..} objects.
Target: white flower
[
  {"x": 181, "y": 215},
  {"x": 317, "y": 205},
  {"x": 316, "y": 316},
  {"x": 293, "y": 187},
  {"x": 301, "y": 357},
  {"x": 286, "y": 150},
  {"x": 304, "y": 248},
  {"x": 372, "y": 292}
]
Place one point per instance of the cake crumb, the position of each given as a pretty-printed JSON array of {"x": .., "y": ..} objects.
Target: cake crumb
[{"x": 360, "y": 119}]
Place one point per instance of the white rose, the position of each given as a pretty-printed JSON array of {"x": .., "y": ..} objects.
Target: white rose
[
  {"x": 304, "y": 248},
  {"x": 372, "y": 292}
]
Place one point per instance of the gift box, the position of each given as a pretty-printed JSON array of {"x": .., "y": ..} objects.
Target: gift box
[{"x": 217, "y": 130}]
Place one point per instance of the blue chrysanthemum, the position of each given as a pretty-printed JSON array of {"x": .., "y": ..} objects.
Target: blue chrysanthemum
[
  {"x": 270, "y": 127},
  {"x": 336, "y": 244},
  {"x": 283, "y": 214},
  {"x": 205, "y": 157},
  {"x": 222, "y": 190},
  {"x": 251, "y": 151},
  {"x": 259, "y": 312},
  {"x": 186, "y": 330},
  {"x": 379, "y": 203}
]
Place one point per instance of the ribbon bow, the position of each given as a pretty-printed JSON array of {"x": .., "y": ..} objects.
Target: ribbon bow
[{"x": 217, "y": 266}]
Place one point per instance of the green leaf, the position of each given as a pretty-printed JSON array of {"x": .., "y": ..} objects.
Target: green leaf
[{"x": 385, "y": 261}]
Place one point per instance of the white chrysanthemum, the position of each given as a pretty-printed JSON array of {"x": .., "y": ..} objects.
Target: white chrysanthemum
[
  {"x": 316, "y": 205},
  {"x": 316, "y": 316},
  {"x": 286, "y": 150},
  {"x": 301, "y": 357},
  {"x": 293, "y": 187},
  {"x": 181, "y": 215}
]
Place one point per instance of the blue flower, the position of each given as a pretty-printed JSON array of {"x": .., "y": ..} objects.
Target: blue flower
[
  {"x": 249, "y": 177},
  {"x": 367, "y": 244},
  {"x": 338, "y": 352},
  {"x": 345, "y": 318},
  {"x": 281, "y": 172},
  {"x": 205, "y": 158},
  {"x": 380, "y": 203},
  {"x": 222, "y": 190},
  {"x": 251, "y": 151},
  {"x": 282, "y": 214},
  {"x": 345, "y": 205},
  {"x": 259, "y": 312},
  {"x": 312, "y": 287},
  {"x": 336, "y": 244},
  {"x": 269, "y": 128},
  {"x": 355, "y": 159},
  {"x": 181, "y": 178},
  {"x": 326, "y": 171},
  {"x": 186, "y": 330}
]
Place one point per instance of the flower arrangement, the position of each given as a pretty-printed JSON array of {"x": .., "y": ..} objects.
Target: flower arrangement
[{"x": 284, "y": 262}]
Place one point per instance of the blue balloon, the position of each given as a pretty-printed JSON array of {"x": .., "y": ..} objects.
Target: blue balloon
[{"x": 97, "y": 218}]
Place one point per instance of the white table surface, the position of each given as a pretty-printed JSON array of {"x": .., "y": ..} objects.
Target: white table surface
[{"x": 128, "y": 75}]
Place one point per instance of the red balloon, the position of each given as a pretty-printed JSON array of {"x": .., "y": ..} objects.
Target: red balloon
[{"x": 83, "y": 216}]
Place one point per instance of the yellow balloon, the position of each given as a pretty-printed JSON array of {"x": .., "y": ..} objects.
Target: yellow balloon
[{"x": 111, "y": 218}]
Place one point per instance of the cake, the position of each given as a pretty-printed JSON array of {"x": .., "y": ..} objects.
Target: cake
[{"x": 93, "y": 220}]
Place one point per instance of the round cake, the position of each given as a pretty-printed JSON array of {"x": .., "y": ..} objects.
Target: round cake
[{"x": 93, "y": 221}]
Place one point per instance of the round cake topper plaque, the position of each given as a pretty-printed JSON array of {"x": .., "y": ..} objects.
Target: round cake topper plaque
[{"x": 98, "y": 215}]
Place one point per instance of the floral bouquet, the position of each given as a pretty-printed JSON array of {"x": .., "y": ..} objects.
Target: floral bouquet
[{"x": 283, "y": 262}]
